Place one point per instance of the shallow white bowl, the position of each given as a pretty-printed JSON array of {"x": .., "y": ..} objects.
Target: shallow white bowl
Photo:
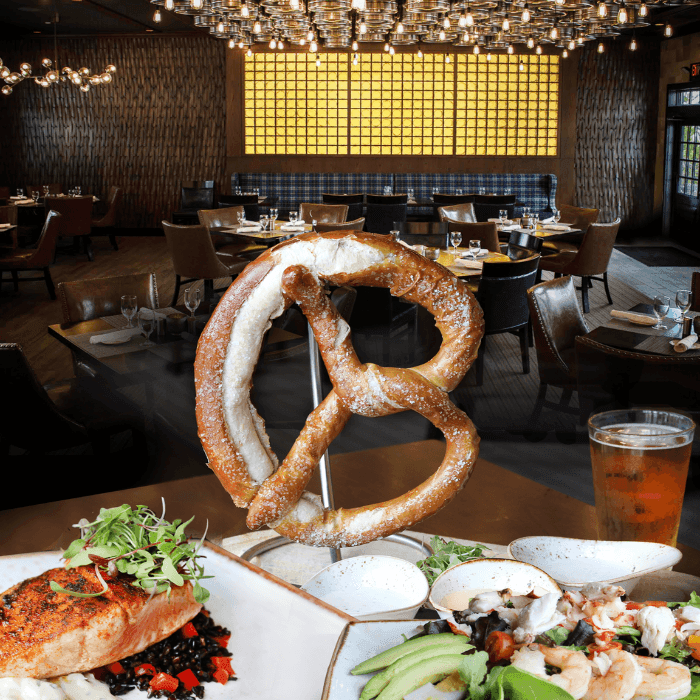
[
  {"x": 371, "y": 587},
  {"x": 575, "y": 563},
  {"x": 488, "y": 575}
]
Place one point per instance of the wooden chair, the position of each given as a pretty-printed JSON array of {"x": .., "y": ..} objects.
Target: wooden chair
[
  {"x": 354, "y": 202},
  {"x": 228, "y": 216},
  {"x": 323, "y": 213},
  {"x": 194, "y": 258},
  {"x": 355, "y": 225},
  {"x": 458, "y": 213},
  {"x": 76, "y": 219},
  {"x": 107, "y": 223},
  {"x": 577, "y": 218},
  {"x": 556, "y": 322},
  {"x": 591, "y": 259},
  {"x": 486, "y": 232},
  {"x": 382, "y": 218},
  {"x": 39, "y": 258}
]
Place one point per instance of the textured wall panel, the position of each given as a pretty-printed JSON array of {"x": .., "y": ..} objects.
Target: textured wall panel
[
  {"x": 161, "y": 121},
  {"x": 617, "y": 107}
]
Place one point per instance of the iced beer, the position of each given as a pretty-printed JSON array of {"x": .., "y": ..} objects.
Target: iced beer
[{"x": 640, "y": 465}]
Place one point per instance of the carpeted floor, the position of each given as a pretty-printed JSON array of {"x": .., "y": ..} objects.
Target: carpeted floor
[{"x": 659, "y": 256}]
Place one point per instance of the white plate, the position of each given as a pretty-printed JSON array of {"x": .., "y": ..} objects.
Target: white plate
[
  {"x": 360, "y": 641},
  {"x": 282, "y": 639}
]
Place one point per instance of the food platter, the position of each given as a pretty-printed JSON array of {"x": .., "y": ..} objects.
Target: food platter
[{"x": 282, "y": 639}]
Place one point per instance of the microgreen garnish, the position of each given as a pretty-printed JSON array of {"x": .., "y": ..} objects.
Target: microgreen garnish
[
  {"x": 445, "y": 555},
  {"x": 137, "y": 542}
]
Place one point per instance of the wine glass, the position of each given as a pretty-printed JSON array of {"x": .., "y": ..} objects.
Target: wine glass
[
  {"x": 556, "y": 216},
  {"x": 534, "y": 221},
  {"x": 77, "y": 190},
  {"x": 387, "y": 189},
  {"x": 264, "y": 220},
  {"x": 240, "y": 217},
  {"x": 411, "y": 194},
  {"x": 129, "y": 308},
  {"x": 193, "y": 297},
  {"x": 436, "y": 190},
  {"x": 273, "y": 217},
  {"x": 507, "y": 191},
  {"x": 456, "y": 239},
  {"x": 661, "y": 306},
  {"x": 395, "y": 234},
  {"x": 474, "y": 248},
  {"x": 503, "y": 216},
  {"x": 293, "y": 217},
  {"x": 147, "y": 322},
  {"x": 46, "y": 189},
  {"x": 482, "y": 190},
  {"x": 35, "y": 196},
  {"x": 20, "y": 192},
  {"x": 684, "y": 298}
]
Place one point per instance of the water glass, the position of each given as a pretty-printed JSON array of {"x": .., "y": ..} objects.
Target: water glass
[
  {"x": 274, "y": 213},
  {"x": 46, "y": 189},
  {"x": 129, "y": 308},
  {"x": 503, "y": 216},
  {"x": 293, "y": 217},
  {"x": 147, "y": 322},
  {"x": 456, "y": 239},
  {"x": 411, "y": 194},
  {"x": 436, "y": 190},
  {"x": 264, "y": 221},
  {"x": 507, "y": 191},
  {"x": 387, "y": 189},
  {"x": 256, "y": 192},
  {"x": 482, "y": 190},
  {"x": 396, "y": 235},
  {"x": 77, "y": 190},
  {"x": 474, "y": 248},
  {"x": 459, "y": 193},
  {"x": 661, "y": 307},
  {"x": 556, "y": 215},
  {"x": 432, "y": 253},
  {"x": 35, "y": 196},
  {"x": 534, "y": 221},
  {"x": 20, "y": 192},
  {"x": 240, "y": 217},
  {"x": 684, "y": 298},
  {"x": 193, "y": 297}
]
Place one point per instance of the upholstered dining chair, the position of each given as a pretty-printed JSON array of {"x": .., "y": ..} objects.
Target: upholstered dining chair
[
  {"x": 591, "y": 259},
  {"x": 695, "y": 288},
  {"x": 355, "y": 203},
  {"x": 106, "y": 224},
  {"x": 35, "y": 259},
  {"x": 576, "y": 217},
  {"x": 487, "y": 206},
  {"x": 76, "y": 219},
  {"x": 194, "y": 195},
  {"x": 355, "y": 225},
  {"x": 194, "y": 258},
  {"x": 386, "y": 198},
  {"x": 382, "y": 218},
  {"x": 461, "y": 213},
  {"x": 448, "y": 200},
  {"x": 323, "y": 213},
  {"x": 428, "y": 233},
  {"x": 521, "y": 244},
  {"x": 486, "y": 232},
  {"x": 228, "y": 216},
  {"x": 556, "y": 323},
  {"x": 249, "y": 202}
]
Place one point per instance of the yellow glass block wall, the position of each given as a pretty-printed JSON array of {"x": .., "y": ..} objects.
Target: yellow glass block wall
[
  {"x": 401, "y": 104},
  {"x": 293, "y": 106}
]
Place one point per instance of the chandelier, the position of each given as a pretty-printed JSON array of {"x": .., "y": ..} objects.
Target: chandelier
[
  {"x": 81, "y": 78},
  {"x": 483, "y": 25}
]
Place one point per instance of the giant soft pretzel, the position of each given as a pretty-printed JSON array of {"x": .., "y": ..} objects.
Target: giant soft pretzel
[{"x": 232, "y": 432}]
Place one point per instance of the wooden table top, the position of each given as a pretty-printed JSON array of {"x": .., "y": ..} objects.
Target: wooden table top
[{"x": 495, "y": 506}]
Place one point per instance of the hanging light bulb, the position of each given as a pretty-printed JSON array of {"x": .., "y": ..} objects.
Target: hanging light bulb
[
  {"x": 310, "y": 35},
  {"x": 601, "y": 47},
  {"x": 302, "y": 42},
  {"x": 580, "y": 40},
  {"x": 386, "y": 46},
  {"x": 442, "y": 36},
  {"x": 560, "y": 2},
  {"x": 602, "y": 9},
  {"x": 506, "y": 24},
  {"x": 169, "y": 5},
  {"x": 633, "y": 43},
  {"x": 521, "y": 66},
  {"x": 530, "y": 43},
  {"x": 355, "y": 45},
  {"x": 245, "y": 12},
  {"x": 476, "y": 49},
  {"x": 313, "y": 47},
  {"x": 294, "y": 4},
  {"x": 565, "y": 54},
  {"x": 525, "y": 17},
  {"x": 359, "y": 5},
  {"x": 538, "y": 49},
  {"x": 196, "y": 4},
  {"x": 488, "y": 57},
  {"x": 554, "y": 33},
  {"x": 622, "y": 15},
  {"x": 157, "y": 16},
  {"x": 363, "y": 27},
  {"x": 249, "y": 53},
  {"x": 354, "y": 60},
  {"x": 273, "y": 43},
  {"x": 466, "y": 38},
  {"x": 571, "y": 45},
  {"x": 392, "y": 51},
  {"x": 446, "y": 22},
  {"x": 231, "y": 44},
  {"x": 469, "y": 19},
  {"x": 447, "y": 58},
  {"x": 257, "y": 28},
  {"x": 668, "y": 30},
  {"x": 643, "y": 10},
  {"x": 420, "y": 53},
  {"x": 241, "y": 44},
  {"x": 510, "y": 49},
  {"x": 280, "y": 44},
  {"x": 220, "y": 27},
  {"x": 318, "y": 61},
  {"x": 399, "y": 28},
  {"x": 462, "y": 22}
]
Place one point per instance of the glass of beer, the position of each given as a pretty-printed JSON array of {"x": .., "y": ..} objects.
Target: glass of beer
[{"x": 640, "y": 464}]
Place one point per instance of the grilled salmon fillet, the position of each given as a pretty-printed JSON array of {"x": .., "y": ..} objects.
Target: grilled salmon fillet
[{"x": 45, "y": 634}]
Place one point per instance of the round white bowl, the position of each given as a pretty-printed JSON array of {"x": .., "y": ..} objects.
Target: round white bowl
[
  {"x": 574, "y": 563},
  {"x": 481, "y": 575},
  {"x": 371, "y": 587}
]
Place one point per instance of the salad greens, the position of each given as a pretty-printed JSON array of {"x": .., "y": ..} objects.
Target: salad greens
[
  {"x": 447, "y": 554},
  {"x": 138, "y": 543}
]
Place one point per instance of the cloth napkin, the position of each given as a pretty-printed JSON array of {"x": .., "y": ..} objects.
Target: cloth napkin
[
  {"x": 469, "y": 264},
  {"x": 643, "y": 319},
  {"x": 24, "y": 201},
  {"x": 123, "y": 334},
  {"x": 292, "y": 227},
  {"x": 686, "y": 344},
  {"x": 4, "y": 226},
  {"x": 510, "y": 227},
  {"x": 249, "y": 228},
  {"x": 555, "y": 227},
  {"x": 507, "y": 222}
]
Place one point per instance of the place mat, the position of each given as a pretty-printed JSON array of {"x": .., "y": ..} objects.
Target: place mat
[
  {"x": 121, "y": 322},
  {"x": 297, "y": 563},
  {"x": 662, "y": 346},
  {"x": 622, "y": 325},
  {"x": 101, "y": 351}
]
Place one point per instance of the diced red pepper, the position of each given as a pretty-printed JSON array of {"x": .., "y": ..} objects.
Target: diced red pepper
[
  {"x": 163, "y": 681},
  {"x": 115, "y": 668},
  {"x": 222, "y": 641},
  {"x": 223, "y": 663},
  {"x": 655, "y": 603},
  {"x": 221, "y": 676},
  {"x": 145, "y": 670},
  {"x": 188, "y": 679},
  {"x": 189, "y": 630}
]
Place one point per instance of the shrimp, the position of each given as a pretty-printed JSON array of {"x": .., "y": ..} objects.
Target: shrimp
[
  {"x": 575, "y": 669},
  {"x": 662, "y": 680},
  {"x": 619, "y": 682}
]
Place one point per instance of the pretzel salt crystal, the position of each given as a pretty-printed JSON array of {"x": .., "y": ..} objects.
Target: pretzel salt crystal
[{"x": 232, "y": 432}]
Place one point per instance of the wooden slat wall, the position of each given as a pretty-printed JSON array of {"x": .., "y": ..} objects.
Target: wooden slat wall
[
  {"x": 161, "y": 121},
  {"x": 617, "y": 108}
]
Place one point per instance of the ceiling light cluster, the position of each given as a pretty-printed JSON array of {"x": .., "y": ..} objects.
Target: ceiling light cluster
[{"x": 483, "y": 25}]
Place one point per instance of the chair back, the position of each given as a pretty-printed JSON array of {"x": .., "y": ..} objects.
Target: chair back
[
  {"x": 28, "y": 417},
  {"x": 355, "y": 203},
  {"x": 522, "y": 244},
  {"x": 197, "y": 194},
  {"x": 54, "y": 188},
  {"x": 381, "y": 218},
  {"x": 461, "y": 213},
  {"x": 249, "y": 202},
  {"x": 8, "y": 214},
  {"x": 695, "y": 288},
  {"x": 430, "y": 233},
  {"x": 503, "y": 293},
  {"x": 386, "y": 198},
  {"x": 192, "y": 252},
  {"x": 225, "y": 216},
  {"x": 76, "y": 214},
  {"x": 84, "y": 300},
  {"x": 46, "y": 245},
  {"x": 487, "y": 206},
  {"x": 356, "y": 225},
  {"x": 450, "y": 199},
  {"x": 114, "y": 200},
  {"x": 556, "y": 322},
  {"x": 4, "y": 192},
  {"x": 486, "y": 232},
  {"x": 577, "y": 217},
  {"x": 325, "y": 213},
  {"x": 595, "y": 250}
]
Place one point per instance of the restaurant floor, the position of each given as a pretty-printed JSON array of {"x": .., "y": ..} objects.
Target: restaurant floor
[{"x": 556, "y": 455}]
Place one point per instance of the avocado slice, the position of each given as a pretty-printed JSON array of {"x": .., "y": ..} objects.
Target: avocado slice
[
  {"x": 388, "y": 656},
  {"x": 428, "y": 671},
  {"x": 456, "y": 645}
]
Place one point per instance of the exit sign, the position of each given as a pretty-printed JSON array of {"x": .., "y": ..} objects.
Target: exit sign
[{"x": 695, "y": 71}]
